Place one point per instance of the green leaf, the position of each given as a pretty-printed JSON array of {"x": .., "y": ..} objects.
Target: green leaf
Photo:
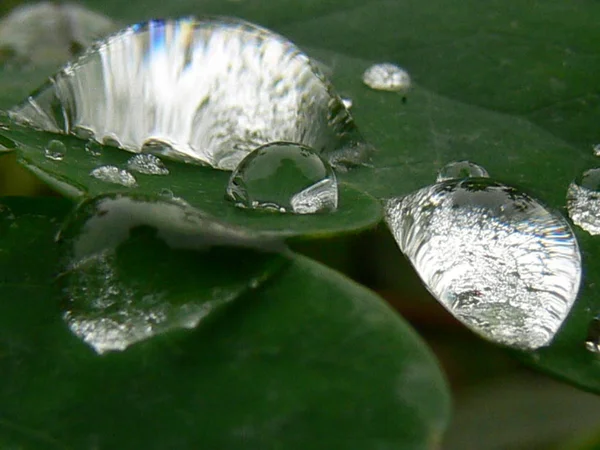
[
  {"x": 202, "y": 187},
  {"x": 307, "y": 360}
]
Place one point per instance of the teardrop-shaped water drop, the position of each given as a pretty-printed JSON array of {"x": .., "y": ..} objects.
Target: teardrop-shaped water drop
[
  {"x": 460, "y": 169},
  {"x": 213, "y": 90},
  {"x": 387, "y": 77},
  {"x": 55, "y": 150},
  {"x": 114, "y": 175},
  {"x": 112, "y": 243},
  {"x": 498, "y": 260},
  {"x": 147, "y": 164},
  {"x": 583, "y": 201},
  {"x": 284, "y": 177},
  {"x": 592, "y": 343}
]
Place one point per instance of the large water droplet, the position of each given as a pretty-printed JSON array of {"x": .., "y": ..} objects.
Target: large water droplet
[
  {"x": 213, "y": 91},
  {"x": 583, "y": 201},
  {"x": 461, "y": 169},
  {"x": 592, "y": 343},
  {"x": 112, "y": 174},
  {"x": 51, "y": 32},
  {"x": 387, "y": 77},
  {"x": 498, "y": 260},
  {"x": 147, "y": 164},
  {"x": 55, "y": 150},
  {"x": 284, "y": 177},
  {"x": 111, "y": 245}
]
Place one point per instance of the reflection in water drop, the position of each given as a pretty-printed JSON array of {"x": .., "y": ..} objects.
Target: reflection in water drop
[
  {"x": 592, "y": 343},
  {"x": 284, "y": 177},
  {"x": 110, "y": 245},
  {"x": 494, "y": 257},
  {"x": 112, "y": 174},
  {"x": 51, "y": 32},
  {"x": 461, "y": 169},
  {"x": 214, "y": 90},
  {"x": 147, "y": 164},
  {"x": 55, "y": 150},
  {"x": 597, "y": 150},
  {"x": 387, "y": 77},
  {"x": 583, "y": 201}
]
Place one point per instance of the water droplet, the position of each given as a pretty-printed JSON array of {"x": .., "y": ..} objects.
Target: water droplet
[
  {"x": 49, "y": 32},
  {"x": 592, "y": 342},
  {"x": 147, "y": 164},
  {"x": 166, "y": 193},
  {"x": 110, "y": 245},
  {"x": 112, "y": 174},
  {"x": 597, "y": 150},
  {"x": 214, "y": 90},
  {"x": 499, "y": 261},
  {"x": 55, "y": 150},
  {"x": 583, "y": 201},
  {"x": 387, "y": 77},
  {"x": 461, "y": 169},
  {"x": 347, "y": 102},
  {"x": 93, "y": 148},
  {"x": 284, "y": 177}
]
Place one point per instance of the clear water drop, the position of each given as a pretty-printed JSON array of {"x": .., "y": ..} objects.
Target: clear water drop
[
  {"x": 147, "y": 164},
  {"x": 110, "y": 245},
  {"x": 498, "y": 260},
  {"x": 55, "y": 150},
  {"x": 347, "y": 101},
  {"x": 596, "y": 150},
  {"x": 583, "y": 201},
  {"x": 284, "y": 177},
  {"x": 50, "y": 32},
  {"x": 592, "y": 343},
  {"x": 114, "y": 175},
  {"x": 461, "y": 169},
  {"x": 213, "y": 90},
  {"x": 387, "y": 77},
  {"x": 93, "y": 148}
]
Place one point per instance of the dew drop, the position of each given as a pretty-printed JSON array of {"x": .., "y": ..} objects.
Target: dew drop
[
  {"x": 93, "y": 148},
  {"x": 110, "y": 245},
  {"x": 114, "y": 175},
  {"x": 596, "y": 150},
  {"x": 387, "y": 77},
  {"x": 213, "y": 90},
  {"x": 498, "y": 260},
  {"x": 583, "y": 201},
  {"x": 592, "y": 343},
  {"x": 461, "y": 169},
  {"x": 55, "y": 150},
  {"x": 147, "y": 164},
  {"x": 284, "y": 177}
]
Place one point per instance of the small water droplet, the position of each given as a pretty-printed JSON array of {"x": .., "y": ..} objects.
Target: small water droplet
[
  {"x": 499, "y": 261},
  {"x": 55, "y": 150},
  {"x": 592, "y": 343},
  {"x": 112, "y": 242},
  {"x": 387, "y": 77},
  {"x": 583, "y": 201},
  {"x": 596, "y": 150},
  {"x": 166, "y": 193},
  {"x": 284, "y": 177},
  {"x": 83, "y": 133},
  {"x": 147, "y": 164},
  {"x": 93, "y": 148},
  {"x": 260, "y": 89},
  {"x": 461, "y": 169},
  {"x": 347, "y": 102},
  {"x": 112, "y": 174}
]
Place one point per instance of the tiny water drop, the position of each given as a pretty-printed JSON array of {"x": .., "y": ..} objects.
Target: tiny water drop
[
  {"x": 596, "y": 150},
  {"x": 147, "y": 164},
  {"x": 387, "y": 77},
  {"x": 498, "y": 260},
  {"x": 112, "y": 174},
  {"x": 284, "y": 177},
  {"x": 592, "y": 343},
  {"x": 461, "y": 169},
  {"x": 111, "y": 243},
  {"x": 347, "y": 101},
  {"x": 583, "y": 201},
  {"x": 93, "y": 148},
  {"x": 55, "y": 150}
]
